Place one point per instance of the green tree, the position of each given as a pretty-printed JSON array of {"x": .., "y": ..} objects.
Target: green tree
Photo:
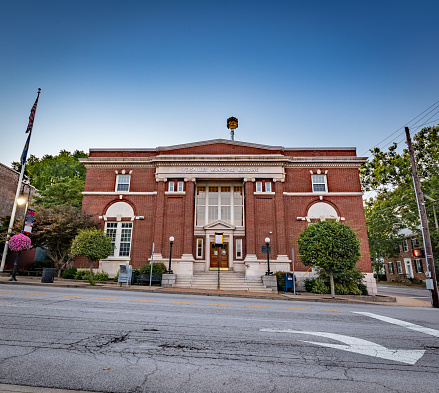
[
  {"x": 62, "y": 192},
  {"x": 330, "y": 246},
  {"x": 45, "y": 171},
  {"x": 393, "y": 205},
  {"x": 92, "y": 244},
  {"x": 54, "y": 229}
]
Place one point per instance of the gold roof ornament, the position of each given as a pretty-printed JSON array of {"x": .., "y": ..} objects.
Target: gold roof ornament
[{"x": 232, "y": 124}]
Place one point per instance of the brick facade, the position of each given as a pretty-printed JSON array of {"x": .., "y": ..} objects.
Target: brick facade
[
  {"x": 224, "y": 169},
  {"x": 405, "y": 266}
]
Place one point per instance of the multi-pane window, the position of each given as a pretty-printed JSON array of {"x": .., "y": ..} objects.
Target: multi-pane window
[
  {"x": 238, "y": 213},
  {"x": 199, "y": 248},
  {"x": 398, "y": 267},
  {"x": 213, "y": 200},
  {"x": 390, "y": 268},
  {"x": 123, "y": 183},
  {"x": 201, "y": 206},
  {"x": 418, "y": 266},
  {"x": 120, "y": 234},
  {"x": 318, "y": 183},
  {"x": 415, "y": 243},
  {"x": 111, "y": 229},
  {"x": 262, "y": 186},
  {"x": 268, "y": 186},
  {"x": 175, "y": 186},
  {"x": 238, "y": 248},
  {"x": 225, "y": 203},
  {"x": 405, "y": 246}
]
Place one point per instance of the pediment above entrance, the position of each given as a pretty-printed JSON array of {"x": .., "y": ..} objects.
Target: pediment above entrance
[{"x": 219, "y": 225}]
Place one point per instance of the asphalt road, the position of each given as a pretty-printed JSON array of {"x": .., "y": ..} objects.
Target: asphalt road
[
  {"x": 113, "y": 341},
  {"x": 399, "y": 290}
]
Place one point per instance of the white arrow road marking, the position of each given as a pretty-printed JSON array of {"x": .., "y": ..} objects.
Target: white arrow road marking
[
  {"x": 408, "y": 325},
  {"x": 360, "y": 346}
]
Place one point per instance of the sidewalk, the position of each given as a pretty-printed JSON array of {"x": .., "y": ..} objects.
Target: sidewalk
[{"x": 300, "y": 296}]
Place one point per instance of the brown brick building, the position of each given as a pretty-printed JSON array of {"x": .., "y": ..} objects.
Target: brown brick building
[
  {"x": 406, "y": 265},
  {"x": 246, "y": 191}
]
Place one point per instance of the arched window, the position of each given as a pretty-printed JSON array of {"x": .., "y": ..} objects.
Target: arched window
[
  {"x": 322, "y": 211},
  {"x": 120, "y": 227}
]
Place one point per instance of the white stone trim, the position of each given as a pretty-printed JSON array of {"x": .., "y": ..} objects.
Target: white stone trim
[
  {"x": 323, "y": 193},
  {"x": 118, "y": 193}
]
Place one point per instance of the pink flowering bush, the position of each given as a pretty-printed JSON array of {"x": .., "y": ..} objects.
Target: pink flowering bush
[{"x": 19, "y": 242}]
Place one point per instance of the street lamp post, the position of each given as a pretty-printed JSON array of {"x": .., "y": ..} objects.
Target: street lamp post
[
  {"x": 171, "y": 242},
  {"x": 267, "y": 245}
]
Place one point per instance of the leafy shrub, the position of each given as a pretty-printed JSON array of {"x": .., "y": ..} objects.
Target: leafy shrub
[
  {"x": 158, "y": 268},
  {"x": 101, "y": 276},
  {"x": 320, "y": 287},
  {"x": 85, "y": 275},
  {"x": 309, "y": 284},
  {"x": 69, "y": 273},
  {"x": 81, "y": 273}
]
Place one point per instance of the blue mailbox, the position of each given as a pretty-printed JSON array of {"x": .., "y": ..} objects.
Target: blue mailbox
[{"x": 289, "y": 281}]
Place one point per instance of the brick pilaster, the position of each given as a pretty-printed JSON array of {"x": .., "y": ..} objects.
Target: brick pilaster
[
  {"x": 250, "y": 230},
  {"x": 189, "y": 211},
  {"x": 159, "y": 218}
]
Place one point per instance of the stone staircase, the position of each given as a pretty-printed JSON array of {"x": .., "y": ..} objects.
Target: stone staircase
[{"x": 229, "y": 281}]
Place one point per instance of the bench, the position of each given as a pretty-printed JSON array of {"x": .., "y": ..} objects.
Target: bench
[{"x": 144, "y": 277}]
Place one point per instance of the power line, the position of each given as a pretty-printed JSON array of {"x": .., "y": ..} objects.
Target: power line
[{"x": 435, "y": 105}]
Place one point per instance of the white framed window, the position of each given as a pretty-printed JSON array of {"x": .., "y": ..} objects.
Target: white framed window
[
  {"x": 390, "y": 268},
  {"x": 319, "y": 183},
  {"x": 405, "y": 246},
  {"x": 258, "y": 186},
  {"x": 123, "y": 182},
  {"x": 418, "y": 266},
  {"x": 268, "y": 186},
  {"x": 398, "y": 267},
  {"x": 238, "y": 247},
  {"x": 214, "y": 202},
  {"x": 180, "y": 186},
  {"x": 171, "y": 186},
  {"x": 415, "y": 243},
  {"x": 120, "y": 233},
  {"x": 200, "y": 248}
]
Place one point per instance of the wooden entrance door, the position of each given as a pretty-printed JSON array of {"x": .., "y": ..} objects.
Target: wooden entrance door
[{"x": 215, "y": 257}]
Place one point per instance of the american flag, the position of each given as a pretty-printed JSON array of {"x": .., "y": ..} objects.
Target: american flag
[
  {"x": 29, "y": 130},
  {"x": 32, "y": 114}
]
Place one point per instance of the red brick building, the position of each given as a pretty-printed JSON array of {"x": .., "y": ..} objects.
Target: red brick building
[
  {"x": 406, "y": 265},
  {"x": 246, "y": 191}
]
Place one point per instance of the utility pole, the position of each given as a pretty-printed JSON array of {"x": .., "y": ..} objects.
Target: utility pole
[{"x": 424, "y": 224}]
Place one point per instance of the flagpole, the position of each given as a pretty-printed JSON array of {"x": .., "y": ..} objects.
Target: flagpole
[
  {"x": 20, "y": 180},
  {"x": 11, "y": 222}
]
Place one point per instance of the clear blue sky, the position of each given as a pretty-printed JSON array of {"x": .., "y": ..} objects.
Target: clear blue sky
[{"x": 156, "y": 73}]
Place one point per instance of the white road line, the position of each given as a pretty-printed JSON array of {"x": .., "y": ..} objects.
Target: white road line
[
  {"x": 408, "y": 325},
  {"x": 357, "y": 345}
]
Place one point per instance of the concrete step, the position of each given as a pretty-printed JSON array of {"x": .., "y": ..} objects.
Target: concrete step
[{"x": 228, "y": 281}]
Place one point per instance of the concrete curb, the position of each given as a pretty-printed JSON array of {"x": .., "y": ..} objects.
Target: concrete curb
[{"x": 301, "y": 296}]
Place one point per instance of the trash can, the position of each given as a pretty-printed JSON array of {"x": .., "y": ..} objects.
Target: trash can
[{"x": 48, "y": 274}]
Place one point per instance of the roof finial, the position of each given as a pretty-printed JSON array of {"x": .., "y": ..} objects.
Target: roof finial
[{"x": 232, "y": 124}]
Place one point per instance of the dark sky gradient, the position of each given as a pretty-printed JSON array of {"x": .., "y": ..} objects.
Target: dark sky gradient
[{"x": 156, "y": 73}]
